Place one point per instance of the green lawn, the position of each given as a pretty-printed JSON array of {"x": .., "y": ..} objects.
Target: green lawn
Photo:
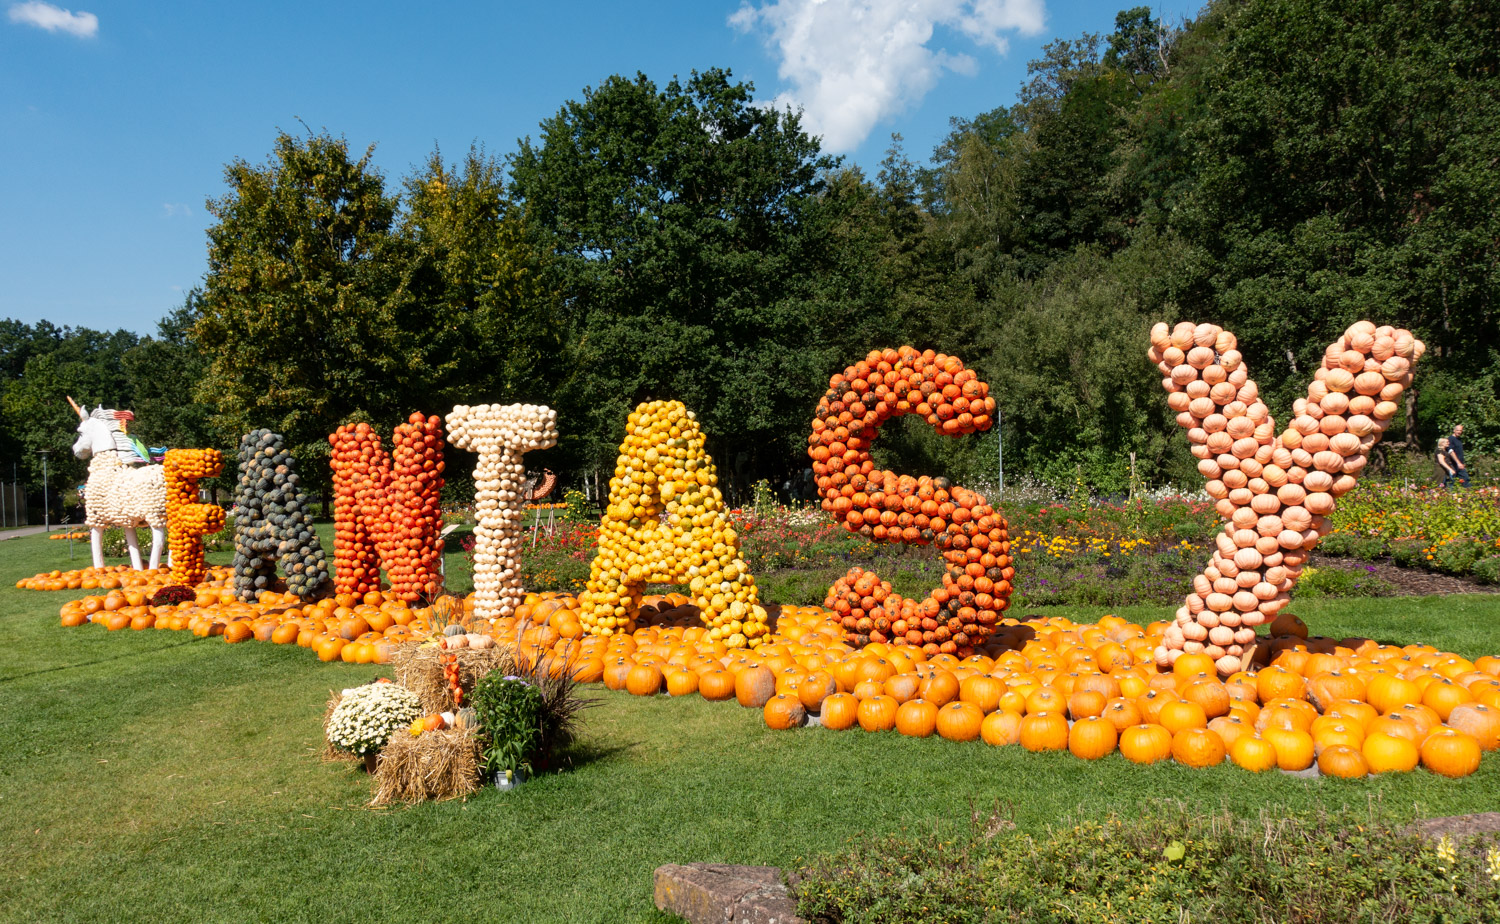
[{"x": 155, "y": 776}]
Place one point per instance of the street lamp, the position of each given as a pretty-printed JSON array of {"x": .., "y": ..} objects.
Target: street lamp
[{"x": 46, "y": 509}]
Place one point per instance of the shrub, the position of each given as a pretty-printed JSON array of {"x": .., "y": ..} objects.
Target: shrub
[
  {"x": 1458, "y": 557},
  {"x": 579, "y": 509},
  {"x": 1336, "y": 582},
  {"x": 1171, "y": 863},
  {"x": 1409, "y": 553},
  {"x": 1335, "y": 544},
  {"x": 173, "y": 594},
  {"x": 527, "y": 719},
  {"x": 1487, "y": 570}
]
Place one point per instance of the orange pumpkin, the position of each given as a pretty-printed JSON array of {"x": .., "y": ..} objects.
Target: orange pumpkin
[
  {"x": 916, "y": 718},
  {"x": 1210, "y": 695},
  {"x": 1092, "y": 738},
  {"x": 1450, "y": 753},
  {"x": 878, "y": 713},
  {"x": 784, "y": 711},
  {"x": 1294, "y": 748},
  {"x": 1253, "y": 753},
  {"x": 616, "y": 672},
  {"x": 983, "y": 691},
  {"x": 1343, "y": 761},
  {"x": 839, "y": 711},
  {"x": 754, "y": 687},
  {"x": 1001, "y": 728},
  {"x": 1044, "y": 731},
  {"x": 815, "y": 687},
  {"x": 939, "y": 687},
  {"x": 959, "y": 721},
  {"x": 682, "y": 683},
  {"x": 1197, "y": 747},
  {"x": 1122, "y": 713},
  {"x": 1443, "y": 696},
  {"x": 1145, "y": 743},
  {"x": 1180, "y": 714},
  {"x": 716, "y": 685},
  {"x": 1389, "y": 753},
  {"x": 1478, "y": 720},
  {"x": 1086, "y": 704}
]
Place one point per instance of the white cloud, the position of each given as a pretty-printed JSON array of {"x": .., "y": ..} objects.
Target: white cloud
[
  {"x": 851, "y": 63},
  {"x": 54, "y": 19},
  {"x": 176, "y": 209}
]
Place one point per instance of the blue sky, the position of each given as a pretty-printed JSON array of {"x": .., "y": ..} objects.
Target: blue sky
[{"x": 118, "y": 118}]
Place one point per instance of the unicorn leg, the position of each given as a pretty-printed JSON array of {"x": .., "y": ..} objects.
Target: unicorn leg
[
  {"x": 96, "y": 542},
  {"x": 158, "y": 539},
  {"x": 134, "y": 543}
]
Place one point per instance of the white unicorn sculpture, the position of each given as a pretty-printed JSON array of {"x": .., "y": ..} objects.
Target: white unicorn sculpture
[{"x": 124, "y": 489}]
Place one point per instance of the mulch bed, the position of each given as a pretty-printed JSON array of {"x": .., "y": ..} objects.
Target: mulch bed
[
  {"x": 1408, "y": 582},
  {"x": 1459, "y": 826}
]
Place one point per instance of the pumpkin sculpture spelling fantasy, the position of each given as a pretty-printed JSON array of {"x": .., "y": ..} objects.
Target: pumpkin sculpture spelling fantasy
[{"x": 124, "y": 489}]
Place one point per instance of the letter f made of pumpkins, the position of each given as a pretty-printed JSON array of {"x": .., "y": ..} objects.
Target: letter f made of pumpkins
[{"x": 1274, "y": 491}]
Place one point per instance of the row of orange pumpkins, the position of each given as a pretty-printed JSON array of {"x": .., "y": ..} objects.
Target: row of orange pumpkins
[{"x": 1349, "y": 707}]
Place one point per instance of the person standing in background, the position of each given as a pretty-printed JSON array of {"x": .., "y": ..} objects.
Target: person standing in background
[
  {"x": 1444, "y": 463},
  {"x": 1456, "y": 455}
]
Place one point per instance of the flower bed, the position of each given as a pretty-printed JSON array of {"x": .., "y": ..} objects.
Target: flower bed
[{"x": 1418, "y": 526}]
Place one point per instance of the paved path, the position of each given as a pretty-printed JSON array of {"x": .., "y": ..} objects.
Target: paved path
[{"x": 25, "y": 531}]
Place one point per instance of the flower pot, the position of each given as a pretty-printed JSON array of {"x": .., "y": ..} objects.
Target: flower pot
[
  {"x": 370, "y": 759},
  {"x": 506, "y": 780}
]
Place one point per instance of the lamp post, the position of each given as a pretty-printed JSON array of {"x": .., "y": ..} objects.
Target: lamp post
[{"x": 46, "y": 509}]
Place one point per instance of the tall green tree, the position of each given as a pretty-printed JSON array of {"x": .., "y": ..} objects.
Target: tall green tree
[
  {"x": 164, "y": 372},
  {"x": 1349, "y": 153},
  {"x": 473, "y": 306},
  {"x": 43, "y": 364},
  {"x": 329, "y": 298},
  {"x": 295, "y": 320},
  {"x": 687, "y": 226}
]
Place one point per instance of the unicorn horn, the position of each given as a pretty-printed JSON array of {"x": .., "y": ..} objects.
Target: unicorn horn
[{"x": 76, "y": 409}]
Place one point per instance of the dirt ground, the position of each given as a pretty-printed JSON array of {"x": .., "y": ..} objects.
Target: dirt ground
[{"x": 1409, "y": 582}]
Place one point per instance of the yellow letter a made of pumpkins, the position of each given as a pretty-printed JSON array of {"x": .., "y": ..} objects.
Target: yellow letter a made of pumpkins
[{"x": 663, "y": 469}]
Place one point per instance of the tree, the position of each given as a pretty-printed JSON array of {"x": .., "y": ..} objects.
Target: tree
[
  {"x": 55, "y": 362},
  {"x": 295, "y": 320},
  {"x": 685, "y": 223},
  {"x": 164, "y": 372},
  {"x": 1349, "y": 153},
  {"x": 472, "y": 306}
]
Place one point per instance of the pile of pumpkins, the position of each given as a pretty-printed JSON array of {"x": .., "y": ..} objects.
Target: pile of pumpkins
[
  {"x": 273, "y": 524},
  {"x": 187, "y": 520},
  {"x": 1274, "y": 492},
  {"x": 957, "y": 617},
  {"x": 666, "y": 523},
  {"x": 1348, "y": 707},
  {"x": 501, "y": 435},
  {"x": 110, "y": 577}
]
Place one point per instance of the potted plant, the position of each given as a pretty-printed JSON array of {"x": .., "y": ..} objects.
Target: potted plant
[
  {"x": 367, "y": 716},
  {"x": 509, "y": 712}
]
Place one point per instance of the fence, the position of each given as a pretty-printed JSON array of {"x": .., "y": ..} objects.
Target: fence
[{"x": 13, "y": 505}]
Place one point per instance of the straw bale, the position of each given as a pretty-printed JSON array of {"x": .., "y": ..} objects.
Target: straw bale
[
  {"x": 419, "y": 668},
  {"x": 435, "y": 765}
]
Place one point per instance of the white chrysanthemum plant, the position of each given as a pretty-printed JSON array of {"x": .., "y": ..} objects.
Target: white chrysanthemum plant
[{"x": 367, "y": 716}]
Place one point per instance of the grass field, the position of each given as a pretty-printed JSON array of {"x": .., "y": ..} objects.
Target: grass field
[{"x": 156, "y": 776}]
